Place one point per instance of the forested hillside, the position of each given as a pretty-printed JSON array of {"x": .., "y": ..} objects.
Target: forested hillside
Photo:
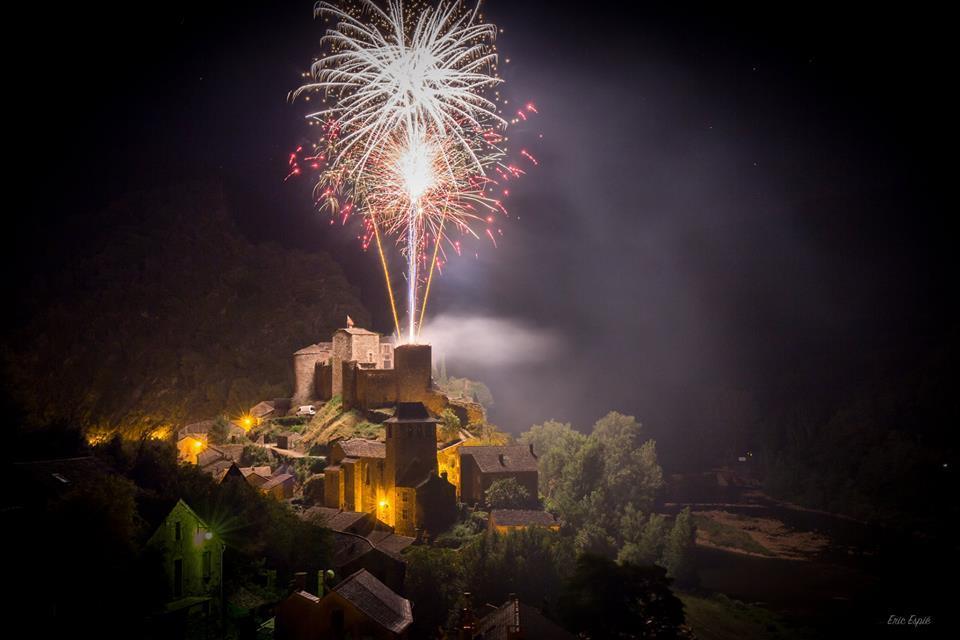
[{"x": 168, "y": 314}]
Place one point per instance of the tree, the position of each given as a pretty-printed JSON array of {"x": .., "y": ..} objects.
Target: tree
[
  {"x": 449, "y": 425},
  {"x": 605, "y": 600},
  {"x": 255, "y": 456},
  {"x": 433, "y": 582},
  {"x": 219, "y": 431},
  {"x": 507, "y": 494},
  {"x": 612, "y": 470},
  {"x": 488, "y": 434},
  {"x": 678, "y": 551},
  {"x": 555, "y": 444},
  {"x": 646, "y": 545},
  {"x": 531, "y": 563}
]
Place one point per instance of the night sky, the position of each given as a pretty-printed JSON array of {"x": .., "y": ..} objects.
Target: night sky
[{"x": 730, "y": 200}]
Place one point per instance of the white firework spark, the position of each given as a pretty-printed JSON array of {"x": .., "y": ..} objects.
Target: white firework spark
[
  {"x": 391, "y": 73},
  {"x": 413, "y": 129}
]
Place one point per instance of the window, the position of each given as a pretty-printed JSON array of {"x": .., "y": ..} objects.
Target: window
[
  {"x": 177, "y": 531},
  {"x": 206, "y": 565},
  {"x": 404, "y": 514},
  {"x": 387, "y": 363},
  {"x": 368, "y": 475}
]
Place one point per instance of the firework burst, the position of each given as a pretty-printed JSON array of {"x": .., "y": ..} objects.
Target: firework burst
[{"x": 410, "y": 130}]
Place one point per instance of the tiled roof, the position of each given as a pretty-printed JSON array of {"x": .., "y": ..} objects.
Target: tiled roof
[
  {"x": 262, "y": 408},
  {"x": 357, "y": 331},
  {"x": 275, "y": 480},
  {"x": 335, "y": 518},
  {"x": 377, "y": 601},
  {"x": 362, "y": 448},
  {"x": 260, "y": 471},
  {"x": 494, "y": 459},
  {"x": 390, "y": 542},
  {"x": 318, "y": 349},
  {"x": 522, "y": 518},
  {"x": 497, "y": 624}
]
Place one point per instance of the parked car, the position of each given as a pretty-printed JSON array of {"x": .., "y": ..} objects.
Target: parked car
[{"x": 307, "y": 410}]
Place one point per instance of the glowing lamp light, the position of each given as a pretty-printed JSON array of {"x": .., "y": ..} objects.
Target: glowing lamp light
[
  {"x": 383, "y": 504},
  {"x": 247, "y": 422},
  {"x": 208, "y": 535}
]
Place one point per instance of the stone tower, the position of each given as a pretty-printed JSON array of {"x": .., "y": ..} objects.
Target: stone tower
[
  {"x": 413, "y": 364},
  {"x": 411, "y": 459}
]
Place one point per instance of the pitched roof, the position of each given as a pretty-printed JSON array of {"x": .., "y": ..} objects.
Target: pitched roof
[
  {"x": 376, "y": 600},
  {"x": 362, "y": 448},
  {"x": 262, "y": 408},
  {"x": 210, "y": 455},
  {"x": 411, "y": 412},
  {"x": 319, "y": 348},
  {"x": 494, "y": 459},
  {"x": 357, "y": 331},
  {"x": 275, "y": 480},
  {"x": 498, "y": 624},
  {"x": 260, "y": 471},
  {"x": 462, "y": 436},
  {"x": 390, "y": 542},
  {"x": 522, "y": 518},
  {"x": 335, "y": 518}
]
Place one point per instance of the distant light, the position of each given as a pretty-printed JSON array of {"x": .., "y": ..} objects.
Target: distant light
[
  {"x": 208, "y": 535},
  {"x": 383, "y": 504}
]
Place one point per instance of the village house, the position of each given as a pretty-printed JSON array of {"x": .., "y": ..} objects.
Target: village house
[
  {"x": 256, "y": 476},
  {"x": 262, "y": 411},
  {"x": 360, "y": 606},
  {"x": 281, "y": 486},
  {"x": 398, "y": 480},
  {"x": 481, "y": 466},
  {"x": 448, "y": 457},
  {"x": 362, "y": 542},
  {"x": 192, "y": 559},
  {"x": 514, "y": 620}
]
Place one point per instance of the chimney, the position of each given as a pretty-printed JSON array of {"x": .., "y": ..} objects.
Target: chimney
[
  {"x": 300, "y": 581},
  {"x": 502, "y": 463},
  {"x": 531, "y": 450}
]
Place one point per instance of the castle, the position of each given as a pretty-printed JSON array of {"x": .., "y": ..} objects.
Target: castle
[
  {"x": 364, "y": 368},
  {"x": 410, "y": 481}
]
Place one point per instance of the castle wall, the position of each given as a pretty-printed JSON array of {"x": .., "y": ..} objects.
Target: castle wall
[
  {"x": 323, "y": 381},
  {"x": 348, "y": 391},
  {"x": 375, "y": 388},
  {"x": 304, "y": 366}
]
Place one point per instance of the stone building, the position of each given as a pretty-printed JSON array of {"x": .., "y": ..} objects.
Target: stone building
[
  {"x": 398, "y": 480},
  {"x": 482, "y": 466},
  {"x": 192, "y": 553},
  {"x": 360, "y": 606},
  {"x": 318, "y": 368}
]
